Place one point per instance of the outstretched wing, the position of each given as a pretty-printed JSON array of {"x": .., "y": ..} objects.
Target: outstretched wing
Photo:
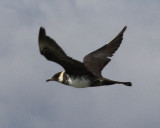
[
  {"x": 53, "y": 52},
  {"x": 98, "y": 59}
]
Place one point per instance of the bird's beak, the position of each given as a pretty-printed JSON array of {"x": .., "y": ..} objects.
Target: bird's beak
[{"x": 49, "y": 80}]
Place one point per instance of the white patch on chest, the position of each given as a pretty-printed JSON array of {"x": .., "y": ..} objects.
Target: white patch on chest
[
  {"x": 60, "y": 78},
  {"x": 79, "y": 82}
]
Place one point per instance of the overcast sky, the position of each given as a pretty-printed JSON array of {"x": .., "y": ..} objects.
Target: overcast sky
[{"x": 79, "y": 27}]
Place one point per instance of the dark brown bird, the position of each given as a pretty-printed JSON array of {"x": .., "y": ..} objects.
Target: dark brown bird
[{"x": 78, "y": 74}]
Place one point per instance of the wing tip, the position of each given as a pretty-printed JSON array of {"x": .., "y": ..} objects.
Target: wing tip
[
  {"x": 42, "y": 32},
  {"x": 121, "y": 33},
  {"x": 124, "y": 29}
]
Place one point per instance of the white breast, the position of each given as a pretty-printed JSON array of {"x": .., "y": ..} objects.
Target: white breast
[{"x": 79, "y": 82}]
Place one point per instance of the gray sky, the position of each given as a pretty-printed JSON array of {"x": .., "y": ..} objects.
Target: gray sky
[{"x": 79, "y": 27}]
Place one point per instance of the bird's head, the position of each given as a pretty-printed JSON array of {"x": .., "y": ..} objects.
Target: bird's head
[{"x": 57, "y": 77}]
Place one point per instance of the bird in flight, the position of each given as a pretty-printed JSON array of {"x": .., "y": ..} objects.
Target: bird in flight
[{"x": 80, "y": 74}]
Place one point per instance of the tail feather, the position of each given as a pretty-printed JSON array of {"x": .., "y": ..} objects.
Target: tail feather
[
  {"x": 110, "y": 82},
  {"x": 127, "y": 83}
]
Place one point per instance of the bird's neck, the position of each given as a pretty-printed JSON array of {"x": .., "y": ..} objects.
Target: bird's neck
[{"x": 61, "y": 76}]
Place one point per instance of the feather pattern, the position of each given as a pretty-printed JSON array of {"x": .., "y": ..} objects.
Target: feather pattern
[
  {"x": 98, "y": 59},
  {"x": 53, "y": 52}
]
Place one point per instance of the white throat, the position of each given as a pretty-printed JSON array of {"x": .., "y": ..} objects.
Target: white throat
[{"x": 78, "y": 82}]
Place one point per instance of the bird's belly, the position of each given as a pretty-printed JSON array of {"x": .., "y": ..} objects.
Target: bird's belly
[{"x": 79, "y": 82}]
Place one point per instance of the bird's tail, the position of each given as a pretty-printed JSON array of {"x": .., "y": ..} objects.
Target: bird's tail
[
  {"x": 110, "y": 82},
  {"x": 127, "y": 83}
]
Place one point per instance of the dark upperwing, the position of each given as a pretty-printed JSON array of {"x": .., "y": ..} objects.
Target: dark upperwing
[
  {"x": 98, "y": 59},
  {"x": 53, "y": 52}
]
